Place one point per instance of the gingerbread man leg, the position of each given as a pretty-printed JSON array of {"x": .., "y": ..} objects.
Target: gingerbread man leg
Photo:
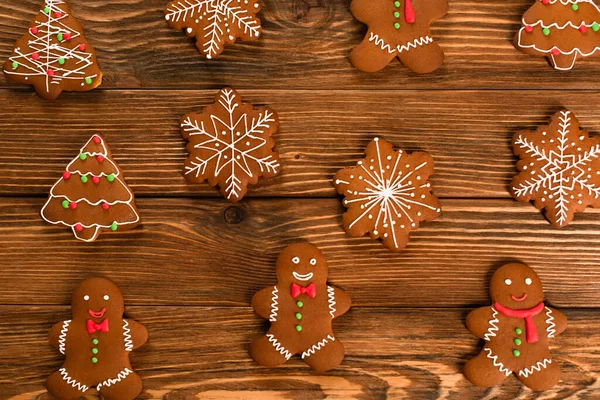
[
  {"x": 543, "y": 379},
  {"x": 424, "y": 59},
  {"x": 482, "y": 372},
  {"x": 62, "y": 385},
  {"x": 327, "y": 357},
  {"x": 269, "y": 352},
  {"x": 368, "y": 57},
  {"x": 126, "y": 388}
]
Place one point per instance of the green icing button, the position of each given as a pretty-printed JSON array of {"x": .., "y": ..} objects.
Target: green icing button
[
  {"x": 59, "y": 37},
  {"x": 546, "y": 31},
  {"x": 94, "y": 360},
  {"x": 596, "y": 27},
  {"x": 397, "y": 25},
  {"x": 298, "y": 316},
  {"x": 82, "y": 156},
  {"x": 396, "y": 14},
  {"x": 575, "y": 7},
  {"x": 88, "y": 81},
  {"x": 110, "y": 177},
  {"x": 47, "y": 10},
  {"x": 516, "y": 353},
  {"x": 518, "y": 341},
  {"x": 114, "y": 226},
  {"x": 397, "y": 4},
  {"x": 299, "y": 328},
  {"x": 65, "y": 203},
  {"x": 84, "y": 179},
  {"x": 15, "y": 65},
  {"x": 61, "y": 61},
  {"x": 518, "y": 331},
  {"x": 95, "y": 350},
  {"x": 95, "y": 341},
  {"x": 300, "y": 304}
]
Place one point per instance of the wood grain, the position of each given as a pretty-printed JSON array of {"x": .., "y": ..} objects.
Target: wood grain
[
  {"x": 197, "y": 352},
  {"x": 208, "y": 252},
  {"x": 305, "y": 45},
  {"x": 468, "y": 134}
]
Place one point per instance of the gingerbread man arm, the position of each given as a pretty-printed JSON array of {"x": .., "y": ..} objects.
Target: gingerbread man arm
[
  {"x": 54, "y": 334},
  {"x": 138, "y": 333},
  {"x": 479, "y": 321},
  {"x": 262, "y": 300},
  {"x": 339, "y": 301},
  {"x": 560, "y": 321}
]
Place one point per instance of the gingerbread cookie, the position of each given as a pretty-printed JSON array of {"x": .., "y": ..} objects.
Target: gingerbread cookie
[
  {"x": 54, "y": 55},
  {"x": 560, "y": 30},
  {"x": 230, "y": 144},
  {"x": 300, "y": 307},
  {"x": 387, "y": 194},
  {"x": 91, "y": 196},
  {"x": 215, "y": 22},
  {"x": 96, "y": 343},
  {"x": 516, "y": 329},
  {"x": 398, "y": 28},
  {"x": 559, "y": 168}
]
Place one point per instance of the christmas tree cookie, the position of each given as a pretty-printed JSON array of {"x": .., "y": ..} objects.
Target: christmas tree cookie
[
  {"x": 300, "y": 308},
  {"x": 559, "y": 168},
  {"x": 96, "y": 343},
  {"x": 516, "y": 330},
  {"x": 54, "y": 55},
  {"x": 91, "y": 196},
  {"x": 215, "y": 22},
  {"x": 398, "y": 28},
  {"x": 561, "y": 30}
]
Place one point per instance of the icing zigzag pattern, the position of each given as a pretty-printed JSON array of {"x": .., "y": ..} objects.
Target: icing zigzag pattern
[
  {"x": 122, "y": 375},
  {"x": 79, "y": 386},
  {"x": 279, "y": 347},
  {"x": 535, "y": 368},
  {"x": 62, "y": 339},
  {"x": 331, "y": 300},
  {"x": 274, "y": 303},
  {"x": 422, "y": 41},
  {"x": 493, "y": 327},
  {"x": 551, "y": 325},
  {"x": 127, "y": 336},
  {"x": 496, "y": 363},
  {"x": 317, "y": 346}
]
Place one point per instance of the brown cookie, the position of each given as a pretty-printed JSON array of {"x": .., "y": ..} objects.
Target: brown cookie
[
  {"x": 230, "y": 144},
  {"x": 215, "y": 22},
  {"x": 516, "y": 329},
  {"x": 560, "y": 30},
  {"x": 96, "y": 343},
  {"x": 559, "y": 168},
  {"x": 398, "y": 28},
  {"x": 92, "y": 196},
  {"x": 387, "y": 194},
  {"x": 54, "y": 55},
  {"x": 300, "y": 307}
]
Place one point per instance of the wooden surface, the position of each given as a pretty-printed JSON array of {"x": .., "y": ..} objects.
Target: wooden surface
[{"x": 189, "y": 271}]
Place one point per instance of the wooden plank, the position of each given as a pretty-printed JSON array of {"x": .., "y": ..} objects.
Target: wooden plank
[
  {"x": 398, "y": 353},
  {"x": 468, "y": 134},
  {"x": 208, "y": 252},
  {"x": 304, "y": 45}
]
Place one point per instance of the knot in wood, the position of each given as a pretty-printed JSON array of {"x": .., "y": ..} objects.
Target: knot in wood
[{"x": 233, "y": 215}]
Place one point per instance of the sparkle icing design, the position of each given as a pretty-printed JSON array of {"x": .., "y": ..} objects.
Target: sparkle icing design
[
  {"x": 387, "y": 194},
  {"x": 561, "y": 30},
  {"x": 54, "y": 55},
  {"x": 91, "y": 196},
  {"x": 230, "y": 145},
  {"x": 215, "y": 22},
  {"x": 559, "y": 168}
]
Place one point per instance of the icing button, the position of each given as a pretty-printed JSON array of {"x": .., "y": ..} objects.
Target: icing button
[
  {"x": 518, "y": 341},
  {"x": 298, "y": 316},
  {"x": 95, "y": 350},
  {"x": 94, "y": 360},
  {"x": 300, "y": 304},
  {"x": 518, "y": 331},
  {"x": 516, "y": 353},
  {"x": 299, "y": 328},
  {"x": 95, "y": 341}
]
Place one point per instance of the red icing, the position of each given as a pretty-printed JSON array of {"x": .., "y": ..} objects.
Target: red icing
[
  {"x": 72, "y": 205},
  {"x": 310, "y": 290},
  {"x": 66, "y": 175},
  {"x": 545, "y": 1},
  {"x": 50, "y": 72},
  {"x": 527, "y": 315},
  {"x": 34, "y": 30},
  {"x": 57, "y": 14},
  {"x": 96, "y": 139},
  {"x": 583, "y": 29},
  {"x": 78, "y": 227},
  {"x": 93, "y": 327},
  {"x": 409, "y": 12},
  {"x": 96, "y": 180},
  {"x": 522, "y": 298},
  {"x": 97, "y": 314},
  {"x": 528, "y": 28},
  {"x": 555, "y": 51},
  {"x": 100, "y": 158},
  {"x": 67, "y": 36},
  {"x": 105, "y": 206},
  {"x": 35, "y": 56},
  {"x": 82, "y": 47}
]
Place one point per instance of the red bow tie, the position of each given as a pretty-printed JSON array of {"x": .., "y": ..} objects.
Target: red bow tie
[
  {"x": 93, "y": 327},
  {"x": 310, "y": 290}
]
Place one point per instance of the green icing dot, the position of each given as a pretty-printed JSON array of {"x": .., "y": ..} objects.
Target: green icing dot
[
  {"x": 110, "y": 177},
  {"x": 15, "y": 65},
  {"x": 114, "y": 226},
  {"x": 61, "y": 61},
  {"x": 47, "y": 10},
  {"x": 84, "y": 179},
  {"x": 300, "y": 304},
  {"x": 298, "y": 316},
  {"x": 546, "y": 31},
  {"x": 95, "y": 350},
  {"x": 575, "y": 7},
  {"x": 82, "y": 156},
  {"x": 94, "y": 360},
  {"x": 95, "y": 341},
  {"x": 518, "y": 341},
  {"x": 516, "y": 353},
  {"x": 596, "y": 27},
  {"x": 299, "y": 328},
  {"x": 396, "y": 14},
  {"x": 518, "y": 331},
  {"x": 59, "y": 37},
  {"x": 88, "y": 81},
  {"x": 65, "y": 203},
  {"x": 397, "y": 25},
  {"x": 397, "y": 4}
]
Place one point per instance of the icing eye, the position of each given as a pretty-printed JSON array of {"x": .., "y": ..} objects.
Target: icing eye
[
  {"x": 507, "y": 281},
  {"x": 528, "y": 281},
  {"x": 313, "y": 261},
  {"x": 86, "y": 297},
  {"x": 296, "y": 260},
  {"x": 106, "y": 297}
]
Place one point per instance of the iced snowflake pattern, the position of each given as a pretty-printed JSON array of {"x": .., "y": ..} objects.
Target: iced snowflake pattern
[
  {"x": 215, "y": 22},
  {"x": 230, "y": 144},
  {"x": 387, "y": 194},
  {"x": 559, "y": 168}
]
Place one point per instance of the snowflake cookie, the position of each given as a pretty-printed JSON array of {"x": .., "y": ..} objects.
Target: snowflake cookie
[
  {"x": 230, "y": 144},
  {"x": 54, "y": 55},
  {"x": 215, "y": 22},
  {"x": 559, "y": 168},
  {"x": 387, "y": 194}
]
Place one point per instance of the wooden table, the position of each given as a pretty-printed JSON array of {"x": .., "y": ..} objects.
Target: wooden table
[{"x": 190, "y": 270}]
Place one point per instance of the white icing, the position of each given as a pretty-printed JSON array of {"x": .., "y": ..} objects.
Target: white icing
[
  {"x": 331, "y": 301},
  {"x": 296, "y": 260},
  {"x": 316, "y": 347},
  {"x": 496, "y": 363},
  {"x": 493, "y": 328},
  {"x": 86, "y": 297},
  {"x": 381, "y": 43},
  {"x": 120, "y": 376},
  {"x": 528, "y": 281},
  {"x": 62, "y": 338},
  {"x": 508, "y": 282},
  {"x": 301, "y": 277},
  {"x": 279, "y": 347},
  {"x": 70, "y": 381},
  {"x": 274, "y": 305},
  {"x": 537, "y": 367},
  {"x": 551, "y": 329},
  {"x": 106, "y": 297},
  {"x": 127, "y": 336},
  {"x": 313, "y": 261}
]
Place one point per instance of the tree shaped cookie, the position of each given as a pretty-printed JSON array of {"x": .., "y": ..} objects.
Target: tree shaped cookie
[
  {"x": 230, "y": 144},
  {"x": 91, "y": 196},
  {"x": 516, "y": 330},
  {"x": 387, "y": 194},
  {"x": 96, "y": 343},
  {"x": 54, "y": 55},
  {"x": 560, "y": 30},
  {"x": 398, "y": 28},
  {"x": 300, "y": 307},
  {"x": 215, "y": 22},
  {"x": 559, "y": 168}
]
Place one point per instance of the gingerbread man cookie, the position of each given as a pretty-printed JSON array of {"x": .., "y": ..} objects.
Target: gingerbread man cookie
[
  {"x": 516, "y": 330},
  {"x": 300, "y": 307},
  {"x": 96, "y": 343},
  {"x": 398, "y": 28}
]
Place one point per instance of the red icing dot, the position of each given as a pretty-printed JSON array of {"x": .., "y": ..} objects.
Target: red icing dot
[
  {"x": 57, "y": 14},
  {"x": 34, "y": 30},
  {"x": 67, "y": 36},
  {"x": 66, "y": 175},
  {"x": 96, "y": 139},
  {"x": 100, "y": 158},
  {"x": 50, "y": 72},
  {"x": 96, "y": 180},
  {"x": 72, "y": 205},
  {"x": 528, "y": 28},
  {"x": 35, "y": 56},
  {"x": 555, "y": 51},
  {"x": 82, "y": 47},
  {"x": 78, "y": 227},
  {"x": 105, "y": 206},
  {"x": 545, "y": 1},
  {"x": 583, "y": 28}
]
